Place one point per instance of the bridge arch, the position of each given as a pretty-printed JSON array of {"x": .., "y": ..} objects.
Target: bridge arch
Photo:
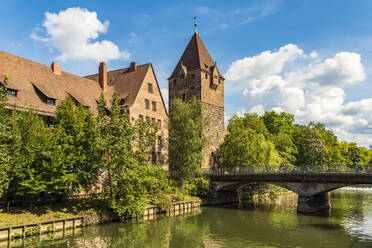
[{"x": 312, "y": 197}]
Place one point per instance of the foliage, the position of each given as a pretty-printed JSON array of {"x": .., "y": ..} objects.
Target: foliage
[
  {"x": 186, "y": 138},
  {"x": 245, "y": 146},
  {"x": 6, "y": 139},
  {"x": 76, "y": 150},
  {"x": 253, "y": 139},
  {"x": 186, "y": 143},
  {"x": 197, "y": 186}
]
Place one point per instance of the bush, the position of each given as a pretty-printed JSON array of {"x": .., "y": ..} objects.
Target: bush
[{"x": 196, "y": 186}]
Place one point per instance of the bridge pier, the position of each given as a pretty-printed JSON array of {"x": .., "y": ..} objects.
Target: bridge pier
[{"x": 313, "y": 204}]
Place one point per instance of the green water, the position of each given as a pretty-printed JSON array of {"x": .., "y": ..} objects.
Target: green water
[{"x": 349, "y": 225}]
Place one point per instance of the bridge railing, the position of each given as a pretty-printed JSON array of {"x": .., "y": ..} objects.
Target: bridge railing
[{"x": 311, "y": 169}]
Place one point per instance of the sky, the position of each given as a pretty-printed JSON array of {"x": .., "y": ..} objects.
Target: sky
[{"x": 311, "y": 58}]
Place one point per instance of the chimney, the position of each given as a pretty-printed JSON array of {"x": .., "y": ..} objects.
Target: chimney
[
  {"x": 56, "y": 68},
  {"x": 133, "y": 66},
  {"x": 102, "y": 76}
]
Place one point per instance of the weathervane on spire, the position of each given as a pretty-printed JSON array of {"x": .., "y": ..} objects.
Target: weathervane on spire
[{"x": 195, "y": 24}]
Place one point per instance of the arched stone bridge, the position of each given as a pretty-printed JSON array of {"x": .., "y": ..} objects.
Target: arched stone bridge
[{"x": 312, "y": 187}]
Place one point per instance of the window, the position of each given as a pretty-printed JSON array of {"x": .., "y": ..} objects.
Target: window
[
  {"x": 182, "y": 76},
  {"x": 51, "y": 101},
  {"x": 49, "y": 121},
  {"x": 141, "y": 117},
  {"x": 153, "y": 106},
  {"x": 160, "y": 142},
  {"x": 174, "y": 82},
  {"x": 159, "y": 122},
  {"x": 147, "y": 104},
  {"x": 150, "y": 89},
  {"x": 206, "y": 75},
  {"x": 122, "y": 101},
  {"x": 11, "y": 93},
  {"x": 148, "y": 118},
  {"x": 153, "y": 120},
  {"x": 193, "y": 76},
  {"x": 184, "y": 97}
]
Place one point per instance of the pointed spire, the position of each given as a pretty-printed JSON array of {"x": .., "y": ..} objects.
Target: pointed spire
[{"x": 195, "y": 56}]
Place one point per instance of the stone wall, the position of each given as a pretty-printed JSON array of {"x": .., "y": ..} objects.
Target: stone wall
[{"x": 214, "y": 131}]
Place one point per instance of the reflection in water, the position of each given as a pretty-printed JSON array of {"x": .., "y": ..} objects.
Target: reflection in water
[{"x": 243, "y": 225}]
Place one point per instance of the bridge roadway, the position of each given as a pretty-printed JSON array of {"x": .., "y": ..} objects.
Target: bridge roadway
[{"x": 312, "y": 187}]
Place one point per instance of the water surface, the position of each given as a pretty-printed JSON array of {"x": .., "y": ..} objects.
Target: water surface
[{"x": 243, "y": 225}]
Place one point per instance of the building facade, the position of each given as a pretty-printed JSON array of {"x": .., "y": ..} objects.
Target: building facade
[
  {"x": 196, "y": 74},
  {"x": 41, "y": 88}
]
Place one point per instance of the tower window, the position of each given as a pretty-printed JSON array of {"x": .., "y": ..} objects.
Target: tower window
[
  {"x": 150, "y": 89},
  {"x": 11, "y": 93},
  {"x": 147, "y": 104},
  {"x": 153, "y": 106}
]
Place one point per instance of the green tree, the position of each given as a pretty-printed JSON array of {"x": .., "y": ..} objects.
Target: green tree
[
  {"x": 186, "y": 139},
  {"x": 247, "y": 147},
  {"x": 6, "y": 139},
  {"x": 32, "y": 153},
  {"x": 281, "y": 128},
  {"x": 77, "y": 152},
  {"x": 125, "y": 161},
  {"x": 309, "y": 145}
]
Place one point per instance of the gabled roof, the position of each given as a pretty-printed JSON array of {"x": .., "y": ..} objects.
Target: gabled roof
[
  {"x": 195, "y": 57},
  {"x": 126, "y": 82},
  {"x": 26, "y": 75}
]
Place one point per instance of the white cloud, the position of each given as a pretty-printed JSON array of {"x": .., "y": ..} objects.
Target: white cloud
[
  {"x": 73, "y": 32},
  {"x": 292, "y": 81},
  {"x": 265, "y": 64}
]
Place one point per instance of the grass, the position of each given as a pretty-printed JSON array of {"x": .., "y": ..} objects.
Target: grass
[
  {"x": 50, "y": 211},
  {"x": 59, "y": 210}
]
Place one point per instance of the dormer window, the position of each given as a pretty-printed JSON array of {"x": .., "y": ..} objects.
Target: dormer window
[
  {"x": 11, "y": 93},
  {"x": 51, "y": 101}
]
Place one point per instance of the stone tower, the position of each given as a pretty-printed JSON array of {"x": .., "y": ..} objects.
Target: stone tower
[{"x": 196, "y": 74}]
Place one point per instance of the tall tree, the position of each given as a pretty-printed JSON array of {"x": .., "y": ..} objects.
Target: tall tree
[
  {"x": 246, "y": 146},
  {"x": 125, "y": 162},
  {"x": 6, "y": 139},
  {"x": 77, "y": 152},
  {"x": 281, "y": 128},
  {"x": 186, "y": 138}
]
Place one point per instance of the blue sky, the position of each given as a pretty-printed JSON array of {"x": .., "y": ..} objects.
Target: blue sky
[{"x": 310, "y": 58}]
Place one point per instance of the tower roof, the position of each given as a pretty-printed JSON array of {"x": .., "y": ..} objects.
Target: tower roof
[{"x": 195, "y": 56}]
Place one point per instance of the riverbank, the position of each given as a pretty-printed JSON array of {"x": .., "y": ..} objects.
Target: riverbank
[{"x": 67, "y": 217}]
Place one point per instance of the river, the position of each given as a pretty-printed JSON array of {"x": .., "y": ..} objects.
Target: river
[{"x": 243, "y": 225}]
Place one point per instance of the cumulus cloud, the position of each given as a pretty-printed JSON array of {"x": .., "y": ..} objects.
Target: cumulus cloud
[
  {"x": 312, "y": 89},
  {"x": 73, "y": 32},
  {"x": 265, "y": 64}
]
